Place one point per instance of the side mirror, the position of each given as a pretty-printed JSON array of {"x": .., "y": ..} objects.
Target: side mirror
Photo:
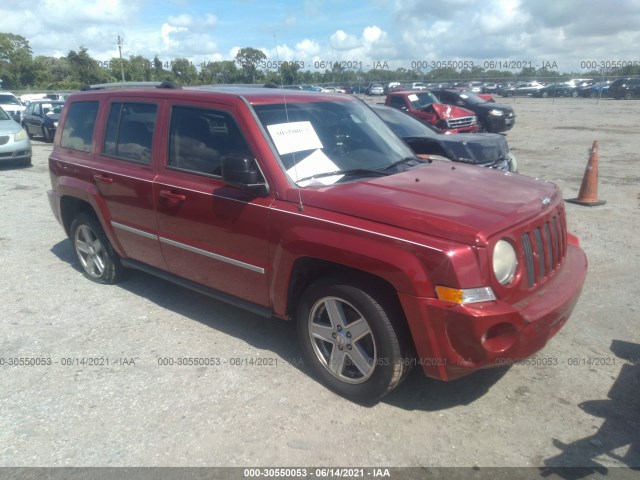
[{"x": 243, "y": 173}]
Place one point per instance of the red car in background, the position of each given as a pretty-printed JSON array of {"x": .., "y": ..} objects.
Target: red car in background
[{"x": 424, "y": 106}]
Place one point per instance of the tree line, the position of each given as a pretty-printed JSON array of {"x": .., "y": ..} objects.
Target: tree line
[{"x": 20, "y": 70}]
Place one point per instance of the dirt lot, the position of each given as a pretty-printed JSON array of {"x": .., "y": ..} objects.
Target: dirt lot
[{"x": 576, "y": 404}]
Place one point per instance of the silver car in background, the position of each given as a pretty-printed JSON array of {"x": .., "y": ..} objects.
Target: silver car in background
[{"x": 15, "y": 146}]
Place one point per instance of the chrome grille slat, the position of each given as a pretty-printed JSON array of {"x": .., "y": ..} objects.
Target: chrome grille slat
[
  {"x": 544, "y": 247},
  {"x": 549, "y": 254},
  {"x": 540, "y": 251},
  {"x": 528, "y": 258}
]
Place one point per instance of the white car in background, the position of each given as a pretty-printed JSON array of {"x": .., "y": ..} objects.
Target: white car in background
[{"x": 14, "y": 107}]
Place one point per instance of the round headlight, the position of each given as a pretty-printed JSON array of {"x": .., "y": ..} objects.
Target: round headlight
[{"x": 505, "y": 262}]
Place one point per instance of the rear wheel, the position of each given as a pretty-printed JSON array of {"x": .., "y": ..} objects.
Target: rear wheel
[
  {"x": 350, "y": 337},
  {"x": 628, "y": 95},
  {"x": 98, "y": 259}
]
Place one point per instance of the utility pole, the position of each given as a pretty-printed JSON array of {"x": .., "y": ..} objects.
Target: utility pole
[{"x": 121, "y": 62}]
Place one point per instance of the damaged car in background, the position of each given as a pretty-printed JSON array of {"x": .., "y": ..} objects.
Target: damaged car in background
[{"x": 484, "y": 149}]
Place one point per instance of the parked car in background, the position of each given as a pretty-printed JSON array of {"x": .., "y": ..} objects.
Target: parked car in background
[
  {"x": 14, "y": 107},
  {"x": 522, "y": 89},
  {"x": 483, "y": 149},
  {"x": 391, "y": 86},
  {"x": 312, "y": 88},
  {"x": 475, "y": 87},
  {"x": 553, "y": 90},
  {"x": 27, "y": 98},
  {"x": 492, "y": 117},
  {"x": 600, "y": 89},
  {"x": 417, "y": 86},
  {"x": 356, "y": 89},
  {"x": 626, "y": 88},
  {"x": 374, "y": 89},
  {"x": 426, "y": 107},
  {"x": 490, "y": 87},
  {"x": 41, "y": 118},
  {"x": 15, "y": 147},
  {"x": 333, "y": 90}
]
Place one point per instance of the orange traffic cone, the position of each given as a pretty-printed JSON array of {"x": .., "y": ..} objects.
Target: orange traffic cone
[{"x": 589, "y": 189}]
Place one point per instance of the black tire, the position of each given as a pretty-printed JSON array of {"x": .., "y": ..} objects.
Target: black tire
[
  {"x": 45, "y": 134},
  {"x": 544, "y": 94},
  {"x": 628, "y": 95},
  {"x": 98, "y": 260},
  {"x": 360, "y": 347},
  {"x": 574, "y": 94}
]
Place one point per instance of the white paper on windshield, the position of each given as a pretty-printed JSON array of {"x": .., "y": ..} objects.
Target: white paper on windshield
[
  {"x": 314, "y": 164},
  {"x": 412, "y": 97},
  {"x": 294, "y": 137}
]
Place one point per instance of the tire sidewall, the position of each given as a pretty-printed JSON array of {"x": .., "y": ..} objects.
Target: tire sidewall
[
  {"x": 389, "y": 357},
  {"x": 113, "y": 268}
]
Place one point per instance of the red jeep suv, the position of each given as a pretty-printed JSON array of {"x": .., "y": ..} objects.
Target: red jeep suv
[{"x": 307, "y": 207}]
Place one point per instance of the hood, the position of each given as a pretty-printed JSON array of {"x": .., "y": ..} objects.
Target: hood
[
  {"x": 449, "y": 112},
  {"x": 488, "y": 106},
  {"x": 462, "y": 203},
  {"x": 13, "y": 108},
  {"x": 9, "y": 127},
  {"x": 473, "y": 148}
]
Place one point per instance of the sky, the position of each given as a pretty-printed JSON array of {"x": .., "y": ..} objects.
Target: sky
[{"x": 561, "y": 34}]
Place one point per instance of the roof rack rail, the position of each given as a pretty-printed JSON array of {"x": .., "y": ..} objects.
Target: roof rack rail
[{"x": 101, "y": 86}]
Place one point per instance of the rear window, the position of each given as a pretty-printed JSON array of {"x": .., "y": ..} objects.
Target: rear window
[{"x": 78, "y": 128}]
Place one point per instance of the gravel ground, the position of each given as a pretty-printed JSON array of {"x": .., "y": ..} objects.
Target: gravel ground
[{"x": 576, "y": 403}]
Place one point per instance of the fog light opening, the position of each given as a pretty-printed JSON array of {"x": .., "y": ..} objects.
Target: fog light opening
[{"x": 499, "y": 337}]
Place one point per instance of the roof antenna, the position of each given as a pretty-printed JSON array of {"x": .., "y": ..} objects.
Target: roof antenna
[{"x": 286, "y": 112}]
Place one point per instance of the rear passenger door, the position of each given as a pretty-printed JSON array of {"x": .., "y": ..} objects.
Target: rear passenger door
[
  {"x": 124, "y": 175},
  {"x": 211, "y": 233}
]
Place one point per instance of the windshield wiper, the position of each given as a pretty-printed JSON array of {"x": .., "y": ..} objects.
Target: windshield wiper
[
  {"x": 406, "y": 160},
  {"x": 351, "y": 172}
]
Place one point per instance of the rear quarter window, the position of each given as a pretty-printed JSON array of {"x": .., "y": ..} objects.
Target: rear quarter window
[{"x": 78, "y": 127}]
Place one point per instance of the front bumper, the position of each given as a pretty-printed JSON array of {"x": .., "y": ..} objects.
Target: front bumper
[
  {"x": 14, "y": 152},
  {"x": 496, "y": 124},
  {"x": 453, "y": 341}
]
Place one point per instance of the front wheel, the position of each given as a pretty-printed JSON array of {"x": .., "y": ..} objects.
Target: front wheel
[
  {"x": 98, "y": 259},
  {"x": 351, "y": 338}
]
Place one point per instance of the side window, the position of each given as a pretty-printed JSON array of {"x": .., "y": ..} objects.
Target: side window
[
  {"x": 30, "y": 109},
  {"x": 199, "y": 138},
  {"x": 78, "y": 128},
  {"x": 398, "y": 102},
  {"x": 130, "y": 130}
]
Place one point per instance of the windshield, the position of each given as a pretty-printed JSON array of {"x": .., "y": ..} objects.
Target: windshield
[
  {"x": 403, "y": 124},
  {"x": 422, "y": 100},
  {"x": 315, "y": 139},
  {"x": 52, "y": 108},
  {"x": 9, "y": 100},
  {"x": 471, "y": 98}
]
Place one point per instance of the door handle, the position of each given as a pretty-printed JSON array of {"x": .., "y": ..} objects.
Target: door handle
[
  {"x": 102, "y": 178},
  {"x": 168, "y": 194}
]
